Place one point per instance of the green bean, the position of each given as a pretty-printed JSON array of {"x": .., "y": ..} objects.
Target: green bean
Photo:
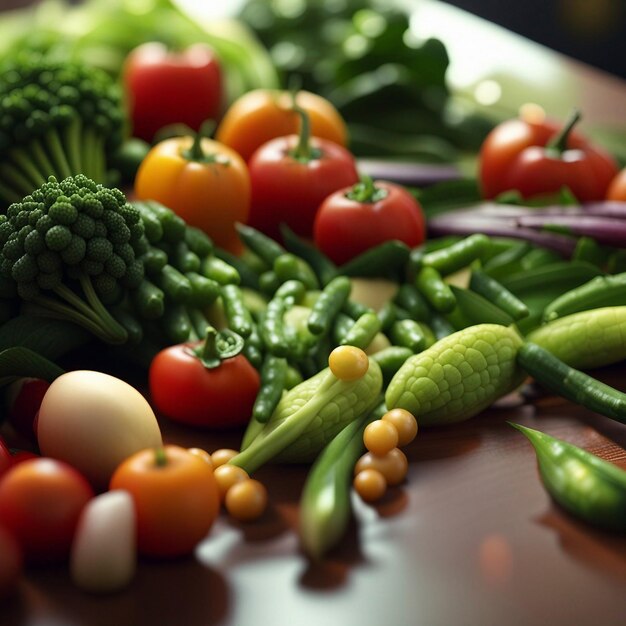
[
  {"x": 435, "y": 290},
  {"x": 221, "y": 272},
  {"x": 253, "y": 354},
  {"x": 173, "y": 284},
  {"x": 440, "y": 326},
  {"x": 293, "y": 377},
  {"x": 409, "y": 298},
  {"x": 291, "y": 289},
  {"x": 587, "y": 339},
  {"x": 204, "y": 291},
  {"x": 154, "y": 260},
  {"x": 198, "y": 322},
  {"x": 583, "y": 484},
  {"x": 148, "y": 300},
  {"x": 239, "y": 318},
  {"x": 263, "y": 246},
  {"x": 328, "y": 305},
  {"x": 386, "y": 259},
  {"x": 387, "y": 316},
  {"x": 390, "y": 360},
  {"x": 457, "y": 256},
  {"x": 600, "y": 291},
  {"x": 323, "y": 267},
  {"x": 507, "y": 262},
  {"x": 173, "y": 226},
  {"x": 273, "y": 375},
  {"x": 248, "y": 277},
  {"x": 151, "y": 223},
  {"x": 325, "y": 503},
  {"x": 183, "y": 258},
  {"x": 198, "y": 241},
  {"x": 616, "y": 263},
  {"x": 590, "y": 251},
  {"x": 272, "y": 328},
  {"x": 341, "y": 327},
  {"x": 494, "y": 292},
  {"x": 408, "y": 333},
  {"x": 176, "y": 323},
  {"x": 269, "y": 283},
  {"x": 362, "y": 331},
  {"x": 129, "y": 322},
  {"x": 288, "y": 267},
  {"x": 537, "y": 257},
  {"x": 355, "y": 309},
  {"x": 471, "y": 308}
]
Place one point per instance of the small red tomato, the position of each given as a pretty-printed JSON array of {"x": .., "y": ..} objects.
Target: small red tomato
[
  {"x": 539, "y": 158},
  {"x": 23, "y": 455},
  {"x": 354, "y": 219},
  {"x": 290, "y": 177},
  {"x": 40, "y": 503},
  {"x": 208, "y": 384},
  {"x": 24, "y": 398},
  {"x": 10, "y": 563},
  {"x": 166, "y": 87}
]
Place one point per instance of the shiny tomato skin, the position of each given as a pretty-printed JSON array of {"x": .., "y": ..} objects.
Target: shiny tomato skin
[
  {"x": 176, "y": 502},
  {"x": 40, "y": 504},
  {"x": 344, "y": 227},
  {"x": 6, "y": 460},
  {"x": 11, "y": 563},
  {"x": 285, "y": 189},
  {"x": 26, "y": 400},
  {"x": 165, "y": 87},
  {"x": 513, "y": 157},
  {"x": 617, "y": 188},
  {"x": 185, "y": 391}
]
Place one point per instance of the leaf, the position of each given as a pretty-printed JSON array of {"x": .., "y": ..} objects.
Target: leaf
[{"x": 21, "y": 362}]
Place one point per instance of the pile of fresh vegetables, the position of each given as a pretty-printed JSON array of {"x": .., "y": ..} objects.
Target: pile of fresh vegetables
[{"x": 259, "y": 281}]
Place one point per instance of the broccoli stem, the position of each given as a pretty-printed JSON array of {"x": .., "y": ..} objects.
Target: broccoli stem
[
  {"x": 18, "y": 182},
  {"x": 41, "y": 158},
  {"x": 87, "y": 153},
  {"x": 72, "y": 145},
  {"x": 9, "y": 195},
  {"x": 26, "y": 163},
  {"x": 98, "y": 308},
  {"x": 57, "y": 153}
]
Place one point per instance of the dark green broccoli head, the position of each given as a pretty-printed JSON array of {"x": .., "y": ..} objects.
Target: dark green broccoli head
[{"x": 73, "y": 229}]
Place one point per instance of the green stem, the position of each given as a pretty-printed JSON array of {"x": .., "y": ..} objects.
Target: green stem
[
  {"x": 71, "y": 298},
  {"x": 56, "y": 152},
  {"x": 366, "y": 192},
  {"x": 42, "y": 159},
  {"x": 13, "y": 176},
  {"x": 9, "y": 195},
  {"x": 196, "y": 153},
  {"x": 303, "y": 151},
  {"x": 28, "y": 168},
  {"x": 99, "y": 165},
  {"x": 160, "y": 458},
  {"x": 115, "y": 329},
  {"x": 72, "y": 145},
  {"x": 87, "y": 152},
  {"x": 558, "y": 143}
]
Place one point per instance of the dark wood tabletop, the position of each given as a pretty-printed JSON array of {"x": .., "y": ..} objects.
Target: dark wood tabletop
[{"x": 470, "y": 539}]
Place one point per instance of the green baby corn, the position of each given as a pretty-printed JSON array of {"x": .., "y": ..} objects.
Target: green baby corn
[{"x": 458, "y": 376}]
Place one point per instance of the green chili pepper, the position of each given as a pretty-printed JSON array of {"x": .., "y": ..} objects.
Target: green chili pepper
[
  {"x": 494, "y": 292},
  {"x": 408, "y": 333},
  {"x": 273, "y": 375},
  {"x": 272, "y": 328},
  {"x": 214, "y": 268},
  {"x": 263, "y": 246},
  {"x": 472, "y": 308},
  {"x": 362, "y": 332},
  {"x": 329, "y": 304},
  {"x": 507, "y": 262},
  {"x": 173, "y": 284},
  {"x": 204, "y": 291},
  {"x": 390, "y": 360},
  {"x": 288, "y": 266},
  {"x": 435, "y": 290},
  {"x": 293, "y": 290},
  {"x": 408, "y": 297},
  {"x": 239, "y": 318},
  {"x": 386, "y": 259},
  {"x": 457, "y": 256},
  {"x": 582, "y": 483},
  {"x": 248, "y": 277}
]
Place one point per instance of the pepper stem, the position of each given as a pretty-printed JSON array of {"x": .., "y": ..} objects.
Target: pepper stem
[
  {"x": 302, "y": 151},
  {"x": 558, "y": 143},
  {"x": 209, "y": 352},
  {"x": 160, "y": 458},
  {"x": 196, "y": 153},
  {"x": 366, "y": 191}
]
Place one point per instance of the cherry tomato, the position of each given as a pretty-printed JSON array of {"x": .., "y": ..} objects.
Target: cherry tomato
[
  {"x": 290, "y": 176},
  {"x": 23, "y": 455},
  {"x": 393, "y": 465},
  {"x": 6, "y": 460},
  {"x": 246, "y": 500},
  {"x": 540, "y": 157},
  {"x": 223, "y": 455},
  {"x": 165, "y": 87},
  {"x": 262, "y": 114},
  {"x": 617, "y": 188},
  {"x": 40, "y": 503},
  {"x": 184, "y": 389},
  {"x": 348, "y": 362},
  {"x": 203, "y": 181},
  {"x": 24, "y": 398},
  {"x": 352, "y": 220},
  {"x": 10, "y": 563},
  {"x": 175, "y": 495},
  {"x": 370, "y": 484},
  {"x": 227, "y": 475},
  {"x": 405, "y": 424},
  {"x": 380, "y": 437}
]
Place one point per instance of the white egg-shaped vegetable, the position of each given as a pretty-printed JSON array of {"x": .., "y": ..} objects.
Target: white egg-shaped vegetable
[
  {"x": 94, "y": 421},
  {"x": 104, "y": 550}
]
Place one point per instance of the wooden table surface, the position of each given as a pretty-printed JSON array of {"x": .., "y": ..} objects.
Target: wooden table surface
[{"x": 471, "y": 539}]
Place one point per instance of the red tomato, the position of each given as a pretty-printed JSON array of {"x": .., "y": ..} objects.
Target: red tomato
[
  {"x": 168, "y": 88},
  {"x": 6, "y": 460},
  {"x": 23, "y": 455},
  {"x": 10, "y": 563},
  {"x": 288, "y": 188},
  {"x": 176, "y": 498},
  {"x": 40, "y": 503},
  {"x": 185, "y": 390},
  {"x": 24, "y": 398},
  {"x": 519, "y": 155},
  {"x": 354, "y": 219}
]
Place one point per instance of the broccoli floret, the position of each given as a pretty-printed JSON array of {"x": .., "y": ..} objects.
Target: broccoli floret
[
  {"x": 56, "y": 119},
  {"x": 71, "y": 246}
]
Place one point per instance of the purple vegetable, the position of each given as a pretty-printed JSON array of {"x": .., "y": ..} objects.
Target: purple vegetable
[
  {"x": 404, "y": 173},
  {"x": 604, "y": 230}
]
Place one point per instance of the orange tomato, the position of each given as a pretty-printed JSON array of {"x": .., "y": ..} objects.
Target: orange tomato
[
  {"x": 263, "y": 114},
  {"x": 203, "y": 181},
  {"x": 617, "y": 188},
  {"x": 175, "y": 495}
]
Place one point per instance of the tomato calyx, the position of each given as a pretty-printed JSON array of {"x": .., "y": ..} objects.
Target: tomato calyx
[
  {"x": 160, "y": 457},
  {"x": 304, "y": 152},
  {"x": 216, "y": 347},
  {"x": 366, "y": 192},
  {"x": 558, "y": 144},
  {"x": 197, "y": 154}
]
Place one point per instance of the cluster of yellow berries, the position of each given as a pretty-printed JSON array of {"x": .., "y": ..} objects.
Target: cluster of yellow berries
[{"x": 384, "y": 464}]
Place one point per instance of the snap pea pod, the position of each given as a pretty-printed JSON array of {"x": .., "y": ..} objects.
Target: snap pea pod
[
  {"x": 387, "y": 315},
  {"x": 439, "y": 295},
  {"x": 204, "y": 291},
  {"x": 239, "y": 318},
  {"x": 288, "y": 267},
  {"x": 386, "y": 259},
  {"x": 390, "y": 360},
  {"x": 198, "y": 241},
  {"x": 328, "y": 305},
  {"x": 172, "y": 225},
  {"x": 293, "y": 290},
  {"x": 176, "y": 324},
  {"x": 408, "y": 333},
  {"x": 537, "y": 257},
  {"x": 456, "y": 256},
  {"x": 269, "y": 282},
  {"x": 248, "y": 277},
  {"x": 323, "y": 267},
  {"x": 586, "y": 486},
  {"x": 362, "y": 332},
  {"x": 272, "y": 328},
  {"x": 152, "y": 225},
  {"x": 458, "y": 376},
  {"x": 508, "y": 261},
  {"x": 173, "y": 284},
  {"x": 490, "y": 289},
  {"x": 471, "y": 308},
  {"x": 325, "y": 504},
  {"x": 580, "y": 388},
  {"x": 355, "y": 309},
  {"x": 341, "y": 327},
  {"x": 221, "y": 272},
  {"x": 309, "y": 416},
  {"x": 154, "y": 260},
  {"x": 587, "y": 339},
  {"x": 408, "y": 297},
  {"x": 183, "y": 259},
  {"x": 601, "y": 291},
  {"x": 148, "y": 300},
  {"x": 273, "y": 375},
  {"x": 263, "y": 246}
]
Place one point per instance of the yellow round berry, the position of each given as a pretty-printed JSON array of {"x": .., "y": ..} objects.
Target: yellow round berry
[
  {"x": 380, "y": 437},
  {"x": 223, "y": 455},
  {"x": 348, "y": 362},
  {"x": 246, "y": 500},
  {"x": 405, "y": 424},
  {"x": 228, "y": 475},
  {"x": 393, "y": 465},
  {"x": 370, "y": 484}
]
